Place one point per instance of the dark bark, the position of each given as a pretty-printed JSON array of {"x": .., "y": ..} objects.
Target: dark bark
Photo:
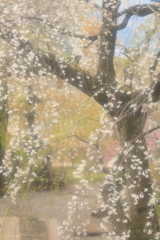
[{"x": 138, "y": 10}]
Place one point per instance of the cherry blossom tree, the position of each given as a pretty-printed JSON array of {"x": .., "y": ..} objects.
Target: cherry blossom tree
[{"x": 33, "y": 43}]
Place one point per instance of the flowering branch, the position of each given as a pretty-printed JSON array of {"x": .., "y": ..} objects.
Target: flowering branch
[
  {"x": 61, "y": 31},
  {"x": 75, "y": 76},
  {"x": 137, "y": 10}
]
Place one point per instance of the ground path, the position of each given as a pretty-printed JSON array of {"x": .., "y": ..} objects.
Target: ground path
[{"x": 36, "y": 215}]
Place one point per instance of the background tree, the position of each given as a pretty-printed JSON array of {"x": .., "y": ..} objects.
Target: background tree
[{"x": 31, "y": 33}]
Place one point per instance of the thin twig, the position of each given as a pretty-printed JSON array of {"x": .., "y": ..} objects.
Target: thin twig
[
  {"x": 151, "y": 130},
  {"x": 127, "y": 57},
  {"x": 59, "y": 140}
]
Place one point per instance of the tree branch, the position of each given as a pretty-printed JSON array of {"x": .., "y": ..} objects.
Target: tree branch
[
  {"x": 91, "y": 42},
  {"x": 140, "y": 8},
  {"x": 137, "y": 10},
  {"x": 59, "y": 140},
  {"x": 75, "y": 76},
  {"x": 81, "y": 139},
  {"x": 152, "y": 130},
  {"x": 62, "y": 31},
  {"x": 127, "y": 56}
]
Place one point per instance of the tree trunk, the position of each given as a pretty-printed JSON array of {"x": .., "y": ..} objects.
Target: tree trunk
[
  {"x": 134, "y": 175},
  {"x": 137, "y": 175}
]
